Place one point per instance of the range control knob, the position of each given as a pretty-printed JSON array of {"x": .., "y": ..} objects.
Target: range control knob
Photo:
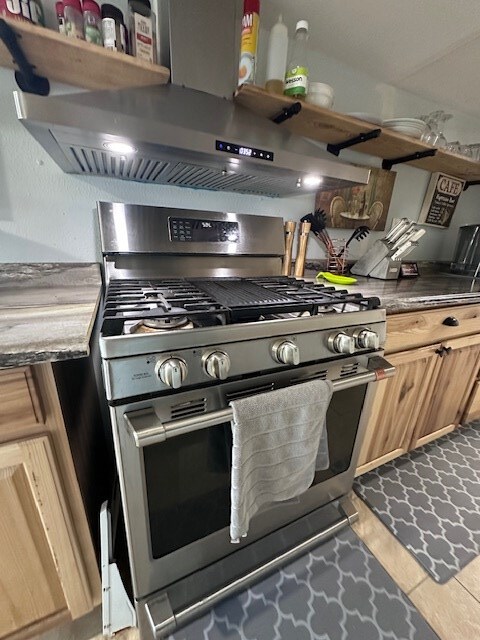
[
  {"x": 286, "y": 352},
  {"x": 216, "y": 364},
  {"x": 341, "y": 343},
  {"x": 367, "y": 339},
  {"x": 172, "y": 371}
]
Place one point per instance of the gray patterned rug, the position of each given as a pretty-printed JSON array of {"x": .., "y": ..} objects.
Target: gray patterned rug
[
  {"x": 430, "y": 500},
  {"x": 337, "y": 592}
]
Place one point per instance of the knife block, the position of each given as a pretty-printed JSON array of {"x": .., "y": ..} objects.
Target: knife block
[{"x": 377, "y": 263}]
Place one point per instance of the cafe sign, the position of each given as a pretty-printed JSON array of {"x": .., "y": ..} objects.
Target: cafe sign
[{"x": 441, "y": 200}]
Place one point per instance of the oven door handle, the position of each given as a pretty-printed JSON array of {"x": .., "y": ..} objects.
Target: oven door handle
[{"x": 146, "y": 428}]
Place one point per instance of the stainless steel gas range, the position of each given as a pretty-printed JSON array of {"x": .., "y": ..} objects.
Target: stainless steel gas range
[{"x": 196, "y": 315}]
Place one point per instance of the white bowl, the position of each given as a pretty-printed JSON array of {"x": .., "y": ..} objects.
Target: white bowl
[{"x": 320, "y": 94}]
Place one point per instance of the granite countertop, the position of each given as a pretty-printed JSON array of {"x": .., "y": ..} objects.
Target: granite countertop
[
  {"x": 47, "y": 311},
  {"x": 432, "y": 289}
]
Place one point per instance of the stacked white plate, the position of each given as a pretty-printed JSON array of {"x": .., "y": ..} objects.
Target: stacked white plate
[{"x": 412, "y": 127}]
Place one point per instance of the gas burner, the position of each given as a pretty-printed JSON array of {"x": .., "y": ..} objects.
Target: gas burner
[
  {"x": 175, "y": 322},
  {"x": 283, "y": 316},
  {"x": 157, "y": 325}
]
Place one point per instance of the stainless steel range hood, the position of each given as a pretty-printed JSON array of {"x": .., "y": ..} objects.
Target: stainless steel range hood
[{"x": 179, "y": 137}]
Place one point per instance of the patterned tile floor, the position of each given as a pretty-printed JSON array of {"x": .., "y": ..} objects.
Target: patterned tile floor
[
  {"x": 430, "y": 499},
  {"x": 339, "y": 591}
]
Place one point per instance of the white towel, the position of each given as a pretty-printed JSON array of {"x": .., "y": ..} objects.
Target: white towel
[{"x": 279, "y": 439}]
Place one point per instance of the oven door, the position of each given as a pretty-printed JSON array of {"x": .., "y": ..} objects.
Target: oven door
[{"x": 175, "y": 473}]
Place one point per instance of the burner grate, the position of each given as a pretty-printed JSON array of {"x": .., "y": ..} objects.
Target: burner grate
[
  {"x": 137, "y": 299},
  {"x": 211, "y": 301}
]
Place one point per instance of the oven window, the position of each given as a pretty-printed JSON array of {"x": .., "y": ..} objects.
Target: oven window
[
  {"x": 188, "y": 477},
  {"x": 343, "y": 417},
  {"x": 188, "y": 487}
]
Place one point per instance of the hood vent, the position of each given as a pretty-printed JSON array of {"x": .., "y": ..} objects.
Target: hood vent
[
  {"x": 172, "y": 135},
  {"x": 103, "y": 163}
]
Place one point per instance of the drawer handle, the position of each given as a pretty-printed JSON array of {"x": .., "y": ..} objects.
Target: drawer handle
[
  {"x": 451, "y": 321},
  {"x": 443, "y": 351}
]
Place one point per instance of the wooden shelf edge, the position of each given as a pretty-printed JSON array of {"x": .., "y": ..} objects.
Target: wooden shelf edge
[
  {"x": 80, "y": 63},
  {"x": 328, "y": 126}
]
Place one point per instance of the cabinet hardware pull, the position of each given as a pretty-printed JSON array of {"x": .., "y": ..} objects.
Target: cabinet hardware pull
[
  {"x": 443, "y": 351},
  {"x": 451, "y": 321}
]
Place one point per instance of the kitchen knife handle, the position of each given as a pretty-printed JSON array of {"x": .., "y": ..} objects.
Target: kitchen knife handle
[
  {"x": 396, "y": 231},
  {"x": 289, "y": 227},
  {"x": 302, "y": 249}
]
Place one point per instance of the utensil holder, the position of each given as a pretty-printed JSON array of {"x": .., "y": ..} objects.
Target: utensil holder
[{"x": 337, "y": 257}]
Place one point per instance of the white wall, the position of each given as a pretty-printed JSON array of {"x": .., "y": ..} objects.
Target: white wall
[{"x": 46, "y": 215}]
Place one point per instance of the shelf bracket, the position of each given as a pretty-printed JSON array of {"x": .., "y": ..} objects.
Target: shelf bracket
[
  {"x": 470, "y": 183},
  {"x": 388, "y": 164},
  {"x": 363, "y": 137},
  {"x": 26, "y": 79},
  {"x": 287, "y": 112}
]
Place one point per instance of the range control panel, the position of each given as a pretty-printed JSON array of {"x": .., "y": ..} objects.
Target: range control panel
[
  {"x": 188, "y": 230},
  {"x": 185, "y": 367}
]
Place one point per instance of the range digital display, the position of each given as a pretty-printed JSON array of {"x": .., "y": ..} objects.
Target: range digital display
[
  {"x": 247, "y": 152},
  {"x": 188, "y": 230}
]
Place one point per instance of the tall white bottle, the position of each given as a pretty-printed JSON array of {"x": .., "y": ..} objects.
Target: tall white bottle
[{"x": 277, "y": 57}]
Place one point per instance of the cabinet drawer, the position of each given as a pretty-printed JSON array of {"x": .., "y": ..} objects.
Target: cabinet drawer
[
  {"x": 421, "y": 328},
  {"x": 19, "y": 404}
]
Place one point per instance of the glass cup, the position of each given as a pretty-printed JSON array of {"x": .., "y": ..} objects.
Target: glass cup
[
  {"x": 474, "y": 151},
  {"x": 453, "y": 147},
  {"x": 433, "y": 135}
]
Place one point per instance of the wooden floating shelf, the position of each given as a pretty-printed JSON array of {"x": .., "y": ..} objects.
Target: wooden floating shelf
[
  {"x": 80, "y": 63},
  {"x": 331, "y": 127}
]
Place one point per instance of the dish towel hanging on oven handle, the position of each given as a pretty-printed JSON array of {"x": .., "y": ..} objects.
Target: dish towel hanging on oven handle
[{"x": 279, "y": 441}]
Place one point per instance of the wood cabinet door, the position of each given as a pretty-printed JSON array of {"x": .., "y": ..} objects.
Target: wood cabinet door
[
  {"x": 396, "y": 407},
  {"x": 472, "y": 410},
  {"x": 40, "y": 579},
  {"x": 450, "y": 388},
  {"x": 20, "y": 405}
]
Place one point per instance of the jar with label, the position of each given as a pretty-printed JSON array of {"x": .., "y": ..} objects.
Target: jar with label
[
  {"x": 296, "y": 78},
  {"x": 59, "y": 9},
  {"x": 15, "y": 10},
  {"x": 113, "y": 29},
  {"x": 92, "y": 22},
  {"x": 249, "y": 40},
  {"x": 72, "y": 13},
  {"x": 37, "y": 13},
  {"x": 141, "y": 22}
]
